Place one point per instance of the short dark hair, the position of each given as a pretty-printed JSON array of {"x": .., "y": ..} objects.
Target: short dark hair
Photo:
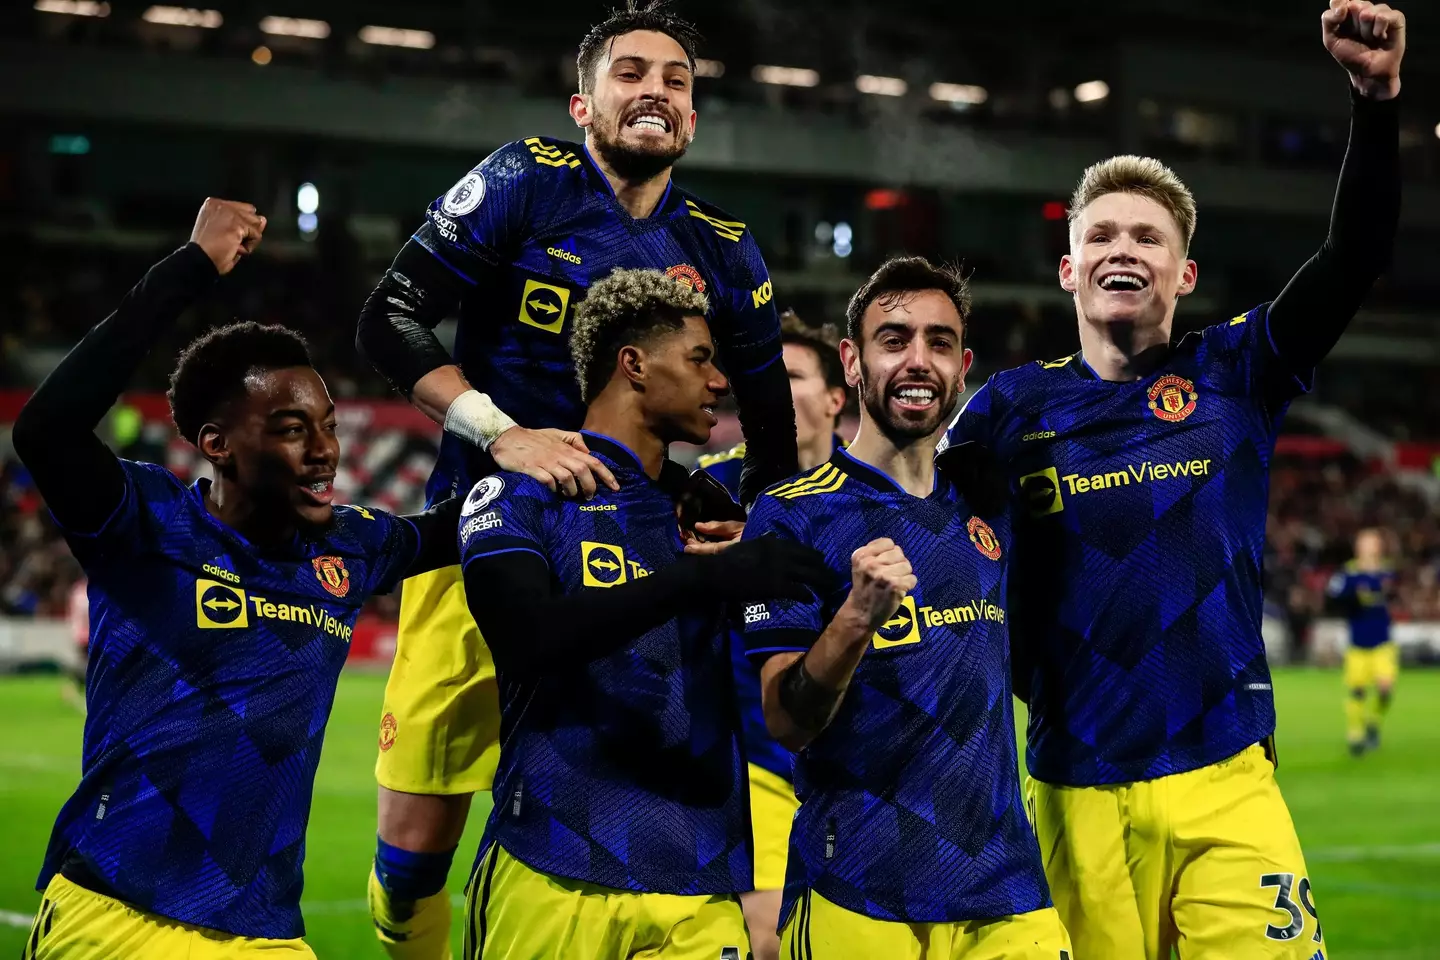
[
  {"x": 635, "y": 15},
  {"x": 625, "y": 308},
  {"x": 212, "y": 369},
  {"x": 907, "y": 275},
  {"x": 815, "y": 339}
]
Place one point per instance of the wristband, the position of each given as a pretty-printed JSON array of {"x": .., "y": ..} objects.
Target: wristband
[{"x": 473, "y": 416}]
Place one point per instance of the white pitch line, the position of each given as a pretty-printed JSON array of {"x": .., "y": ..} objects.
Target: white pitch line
[
  {"x": 1414, "y": 851},
  {"x": 10, "y": 918}
]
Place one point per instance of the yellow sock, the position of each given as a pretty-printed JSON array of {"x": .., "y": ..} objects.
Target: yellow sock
[
  {"x": 411, "y": 931},
  {"x": 1355, "y": 711}
]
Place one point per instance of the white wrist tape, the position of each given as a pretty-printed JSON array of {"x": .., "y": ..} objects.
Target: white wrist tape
[{"x": 473, "y": 416}]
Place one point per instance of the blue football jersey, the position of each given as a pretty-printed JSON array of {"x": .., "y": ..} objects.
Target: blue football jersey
[
  {"x": 627, "y": 771},
  {"x": 1140, "y": 526},
  {"x": 1366, "y": 597},
  {"x": 531, "y": 228},
  {"x": 212, "y": 671},
  {"x": 910, "y": 804}
]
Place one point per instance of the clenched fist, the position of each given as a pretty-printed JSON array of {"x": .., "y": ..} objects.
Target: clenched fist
[
  {"x": 880, "y": 577},
  {"x": 1368, "y": 40},
  {"x": 227, "y": 230}
]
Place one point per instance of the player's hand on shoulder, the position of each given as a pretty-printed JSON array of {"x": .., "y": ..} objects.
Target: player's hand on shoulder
[
  {"x": 1368, "y": 40},
  {"x": 880, "y": 577},
  {"x": 557, "y": 458},
  {"x": 227, "y": 230},
  {"x": 767, "y": 567}
]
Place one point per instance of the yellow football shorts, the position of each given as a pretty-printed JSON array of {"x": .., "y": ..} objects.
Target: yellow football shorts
[
  {"x": 772, "y": 810},
  {"x": 820, "y": 929},
  {"x": 1205, "y": 861},
  {"x": 79, "y": 924},
  {"x": 440, "y": 725},
  {"x": 516, "y": 913},
  {"x": 1375, "y": 666}
]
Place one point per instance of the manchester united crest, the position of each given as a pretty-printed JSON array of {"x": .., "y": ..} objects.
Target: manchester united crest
[
  {"x": 1172, "y": 398},
  {"x": 333, "y": 576},
  {"x": 688, "y": 275},
  {"x": 387, "y": 731},
  {"x": 984, "y": 538}
]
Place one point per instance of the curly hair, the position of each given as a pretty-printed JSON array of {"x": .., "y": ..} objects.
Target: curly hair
[
  {"x": 652, "y": 15},
  {"x": 626, "y": 308},
  {"x": 212, "y": 369},
  {"x": 899, "y": 276}
]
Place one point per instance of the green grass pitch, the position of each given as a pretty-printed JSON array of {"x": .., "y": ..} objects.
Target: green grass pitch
[{"x": 1371, "y": 827}]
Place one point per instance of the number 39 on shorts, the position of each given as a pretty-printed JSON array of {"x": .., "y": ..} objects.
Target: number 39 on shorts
[{"x": 1286, "y": 904}]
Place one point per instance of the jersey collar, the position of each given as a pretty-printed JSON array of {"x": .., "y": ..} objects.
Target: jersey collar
[
  {"x": 871, "y": 476},
  {"x": 673, "y": 477},
  {"x": 669, "y": 199}
]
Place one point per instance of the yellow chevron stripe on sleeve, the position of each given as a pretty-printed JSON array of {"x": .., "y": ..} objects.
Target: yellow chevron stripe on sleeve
[
  {"x": 728, "y": 229},
  {"x": 736, "y": 452},
  {"x": 829, "y": 485},
  {"x": 810, "y": 477}
]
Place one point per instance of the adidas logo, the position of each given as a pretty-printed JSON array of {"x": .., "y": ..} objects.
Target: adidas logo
[{"x": 565, "y": 251}]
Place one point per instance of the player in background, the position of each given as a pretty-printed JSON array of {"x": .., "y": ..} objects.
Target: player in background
[
  {"x": 1364, "y": 590},
  {"x": 620, "y": 823},
  {"x": 516, "y": 243},
  {"x": 818, "y": 389},
  {"x": 223, "y": 614},
  {"x": 77, "y": 620},
  {"x": 1142, "y": 471},
  {"x": 911, "y": 839}
]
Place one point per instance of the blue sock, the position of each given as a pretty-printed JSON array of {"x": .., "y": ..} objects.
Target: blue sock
[{"x": 406, "y": 875}]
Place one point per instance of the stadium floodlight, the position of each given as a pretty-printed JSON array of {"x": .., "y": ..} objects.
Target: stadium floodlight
[
  {"x": 881, "y": 86},
  {"x": 1092, "y": 91},
  {"x": 844, "y": 238},
  {"x": 295, "y": 27},
  {"x": 75, "y": 8},
  {"x": 261, "y": 56},
  {"x": 786, "y": 76},
  {"x": 713, "y": 69},
  {"x": 1437, "y": 129},
  {"x": 962, "y": 93},
  {"x": 397, "y": 37},
  {"x": 307, "y": 198},
  {"x": 183, "y": 17}
]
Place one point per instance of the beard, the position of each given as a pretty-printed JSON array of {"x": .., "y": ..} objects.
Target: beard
[
  {"x": 633, "y": 162},
  {"x": 903, "y": 429}
]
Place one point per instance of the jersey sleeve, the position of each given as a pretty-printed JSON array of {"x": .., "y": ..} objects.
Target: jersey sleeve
[
  {"x": 153, "y": 496},
  {"x": 974, "y": 423},
  {"x": 1248, "y": 352},
  {"x": 483, "y": 218},
  {"x": 396, "y": 542},
  {"x": 748, "y": 325},
  {"x": 774, "y": 626},
  {"x": 505, "y": 512},
  {"x": 1338, "y": 586}
]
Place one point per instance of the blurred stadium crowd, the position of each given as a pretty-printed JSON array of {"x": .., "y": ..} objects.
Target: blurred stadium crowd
[{"x": 1318, "y": 501}]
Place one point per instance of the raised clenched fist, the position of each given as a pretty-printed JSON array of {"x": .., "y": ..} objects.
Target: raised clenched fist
[
  {"x": 1368, "y": 40},
  {"x": 880, "y": 578},
  {"x": 227, "y": 230}
]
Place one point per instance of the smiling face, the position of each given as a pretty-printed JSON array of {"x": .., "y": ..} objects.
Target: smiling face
[
  {"x": 1127, "y": 262},
  {"x": 909, "y": 363},
  {"x": 278, "y": 444},
  {"x": 638, "y": 113}
]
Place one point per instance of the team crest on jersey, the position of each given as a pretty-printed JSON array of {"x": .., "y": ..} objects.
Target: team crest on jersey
[
  {"x": 688, "y": 275},
  {"x": 333, "y": 576},
  {"x": 1172, "y": 398},
  {"x": 984, "y": 538},
  {"x": 465, "y": 196},
  {"x": 387, "y": 731}
]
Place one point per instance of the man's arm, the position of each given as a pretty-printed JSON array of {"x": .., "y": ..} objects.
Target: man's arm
[
  {"x": 801, "y": 692},
  {"x": 54, "y": 435},
  {"x": 1307, "y": 319},
  {"x": 534, "y": 629}
]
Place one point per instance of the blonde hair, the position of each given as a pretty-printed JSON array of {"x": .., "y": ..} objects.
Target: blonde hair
[
  {"x": 1142, "y": 176},
  {"x": 626, "y": 307}
]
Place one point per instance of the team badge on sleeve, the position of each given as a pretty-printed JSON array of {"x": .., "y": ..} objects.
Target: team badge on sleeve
[
  {"x": 333, "y": 576},
  {"x": 1172, "y": 398},
  {"x": 465, "y": 196},
  {"x": 482, "y": 495},
  {"x": 984, "y": 538}
]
